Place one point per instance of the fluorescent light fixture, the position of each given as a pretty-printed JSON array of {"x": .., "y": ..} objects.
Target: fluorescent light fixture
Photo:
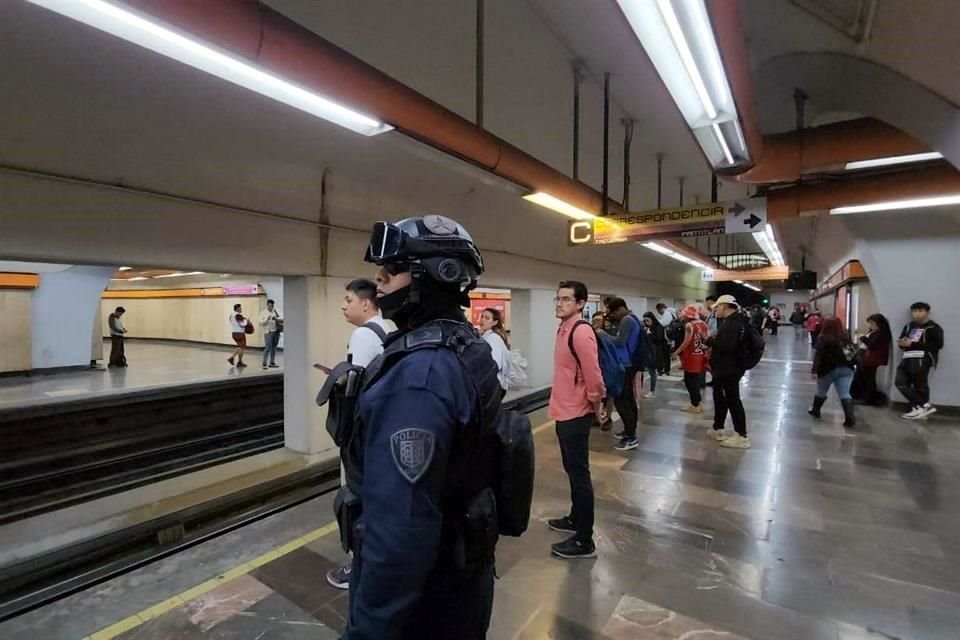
[
  {"x": 750, "y": 286},
  {"x": 135, "y": 278},
  {"x": 179, "y": 274},
  {"x": 892, "y": 205},
  {"x": 680, "y": 42},
  {"x": 141, "y": 29},
  {"x": 558, "y": 205},
  {"x": 739, "y": 281},
  {"x": 768, "y": 243},
  {"x": 893, "y": 160},
  {"x": 653, "y": 246},
  {"x": 124, "y": 268},
  {"x": 790, "y": 290}
]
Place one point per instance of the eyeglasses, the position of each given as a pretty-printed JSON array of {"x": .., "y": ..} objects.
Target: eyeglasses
[{"x": 564, "y": 300}]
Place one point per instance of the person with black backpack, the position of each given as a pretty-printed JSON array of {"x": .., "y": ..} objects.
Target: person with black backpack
[
  {"x": 736, "y": 348},
  {"x": 436, "y": 469}
]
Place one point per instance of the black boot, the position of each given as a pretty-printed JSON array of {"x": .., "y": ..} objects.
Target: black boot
[
  {"x": 849, "y": 421},
  {"x": 817, "y": 405}
]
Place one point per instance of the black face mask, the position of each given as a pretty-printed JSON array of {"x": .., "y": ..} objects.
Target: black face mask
[{"x": 392, "y": 304}]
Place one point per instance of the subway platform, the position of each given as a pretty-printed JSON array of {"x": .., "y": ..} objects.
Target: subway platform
[
  {"x": 152, "y": 365},
  {"x": 816, "y": 533}
]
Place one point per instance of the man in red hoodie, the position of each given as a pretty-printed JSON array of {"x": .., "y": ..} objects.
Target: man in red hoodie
[{"x": 575, "y": 402}]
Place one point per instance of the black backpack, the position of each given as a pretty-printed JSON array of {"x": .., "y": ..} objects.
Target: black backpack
[
  {"x": 751, "y": 346},
  {"x": 505, "y": 439},
  {"x": 674, "y": 330}
]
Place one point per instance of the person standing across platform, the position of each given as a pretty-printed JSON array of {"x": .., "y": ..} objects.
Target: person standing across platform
[
  {"x": 238, "y": 331},
  {"x": 727, "y": 348},
  {"x": 576, "y": 400},
  {"x": 921, "y": 341},
  {"x": 693, "y": 356},
  {"x": 272, "y": 325},
  {"x": 658, "y": 339},
  {"x": 875, "y": 353},
  {"x": 118, "y": 357},
  {"x": 422, "y": 459},
  {"x": 360, "y": 309}
]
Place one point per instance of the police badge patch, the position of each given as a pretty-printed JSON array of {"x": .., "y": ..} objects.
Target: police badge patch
[{"x": 412, "y": 452}]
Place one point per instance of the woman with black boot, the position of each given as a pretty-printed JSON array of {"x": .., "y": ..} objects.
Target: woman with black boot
[{"x": 833, "y": 364}]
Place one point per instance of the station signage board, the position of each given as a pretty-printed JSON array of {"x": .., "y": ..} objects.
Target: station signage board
[
  {"x": 763, "y": 273},
  {"x": 711, "y": 218}
]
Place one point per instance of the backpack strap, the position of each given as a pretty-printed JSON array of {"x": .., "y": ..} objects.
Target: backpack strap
[
  {"x": 377, "y": 329},
  {"x": 573, "y": 351}
]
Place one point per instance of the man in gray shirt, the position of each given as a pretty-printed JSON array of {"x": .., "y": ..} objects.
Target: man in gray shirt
[{"x": 117, "y": 331}]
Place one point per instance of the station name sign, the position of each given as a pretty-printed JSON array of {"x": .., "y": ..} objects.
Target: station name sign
[{"x": 737, "y": 216}]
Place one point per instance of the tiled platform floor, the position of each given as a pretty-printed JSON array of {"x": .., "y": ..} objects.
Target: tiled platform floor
[
  {"x": 814, "y": 534},
  {"x": 152, "y": 364}
]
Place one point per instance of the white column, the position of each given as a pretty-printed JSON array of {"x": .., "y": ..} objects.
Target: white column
[
  {"x": 533, "y": 328},
  {"x": 312, "y": 326}
]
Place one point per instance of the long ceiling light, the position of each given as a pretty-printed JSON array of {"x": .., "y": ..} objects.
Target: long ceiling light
[
  {"x": 892, "y": 205},
  {"x": 750, "y": 286},
  {"x": 768, "y": 243},
  {"x": 180, "y": 275},
  {"x": 670, "y": 253},
  {"x": 141, "y": 29},
  {"x": 558, "y": 205},
  {"x": 679, "y": 40},
  {"x": 893, "y": 160}
]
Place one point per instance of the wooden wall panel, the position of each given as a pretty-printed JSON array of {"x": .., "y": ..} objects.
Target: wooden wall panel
[
  {"x": 15, "y": 330},
  {"x": 195, "y": 319}
]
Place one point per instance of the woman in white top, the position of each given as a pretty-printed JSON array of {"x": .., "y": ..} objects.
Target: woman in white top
[{"x": 492, "y": 330}]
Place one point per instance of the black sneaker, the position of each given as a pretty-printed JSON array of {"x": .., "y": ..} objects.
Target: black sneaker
[
  {"x": 563, "y": 524},
  {"x": 627, "y": 444},
  {"x": 340, "y": 578},
  {"x": 573, "y": 548}
]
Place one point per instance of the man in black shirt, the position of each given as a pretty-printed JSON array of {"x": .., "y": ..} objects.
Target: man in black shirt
[
  {"x": 728, "y": 369},
  {"x": 921, "y": 342}
]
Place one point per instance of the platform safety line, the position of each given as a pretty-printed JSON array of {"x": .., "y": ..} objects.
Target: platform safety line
[
  {"x": 155, "y": 611},
  {"x": 139, "y": 618}
]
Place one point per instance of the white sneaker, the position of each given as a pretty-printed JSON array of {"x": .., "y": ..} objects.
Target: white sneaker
[
  {"x": 913, "y": 414},
  {"x": 926, "y": 410},
  {"x": 649, "y": 395},
  {"x": 736, "y": 441},
  {"x": 719, "y": 436}
]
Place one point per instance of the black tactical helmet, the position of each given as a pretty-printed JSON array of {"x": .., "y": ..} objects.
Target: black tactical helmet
[{"x": 441, "y": 247}]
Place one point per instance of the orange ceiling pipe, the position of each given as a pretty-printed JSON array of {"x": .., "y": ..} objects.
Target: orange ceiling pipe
[
  {"x": 785, "y": 157},
  {"x": 923, "y": 182},
  {"x": 260, "y": 34}
]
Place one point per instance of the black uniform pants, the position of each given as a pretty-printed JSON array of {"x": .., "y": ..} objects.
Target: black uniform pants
[
  {"x": 574, "y": 437},
  {"x": 726, "y": 397},
  {"x": 626, "y": 404},
  {"x": 693, "y": 382},
  {"x": 117, "y": 357},
  {"x": 912, "y": 380},
  {"x": 663, "y": 358}
]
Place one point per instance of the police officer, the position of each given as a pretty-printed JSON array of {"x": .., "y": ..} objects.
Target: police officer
[{"x": 420, "y": 462}]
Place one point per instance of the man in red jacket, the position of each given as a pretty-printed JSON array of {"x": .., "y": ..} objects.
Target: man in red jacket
[{"x": 575, "y": 401}]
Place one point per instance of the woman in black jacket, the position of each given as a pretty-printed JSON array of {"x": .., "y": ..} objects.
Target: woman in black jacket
[
  {"x": 658, "y": 335},
  {"x": 874, "y": 353},
  {"x": 833, "y": 364}
]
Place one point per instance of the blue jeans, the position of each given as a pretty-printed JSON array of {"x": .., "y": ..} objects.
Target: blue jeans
[
  {"x": 652, "y": 372},
  {"x": 841, "y": 378},
  {"x": 270, "y": 342}
]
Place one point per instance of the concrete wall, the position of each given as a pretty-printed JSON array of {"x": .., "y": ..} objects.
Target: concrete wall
[
  {"x": 15, "y": 330},
  {"x": 65, "y": 309},
  {"x": 911, "y": 256}
]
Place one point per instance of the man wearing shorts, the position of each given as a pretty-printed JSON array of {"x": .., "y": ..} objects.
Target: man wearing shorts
[{"x": 238, "y": 331}]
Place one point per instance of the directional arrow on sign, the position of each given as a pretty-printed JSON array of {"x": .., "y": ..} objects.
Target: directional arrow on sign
[
  {"x": 753, "y": 220},
  {"x": 745, "y": 216},
  {"x": 737, "y": 209}
]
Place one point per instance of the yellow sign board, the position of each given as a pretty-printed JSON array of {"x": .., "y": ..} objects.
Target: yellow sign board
[{"x": 738, "y": 216}]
